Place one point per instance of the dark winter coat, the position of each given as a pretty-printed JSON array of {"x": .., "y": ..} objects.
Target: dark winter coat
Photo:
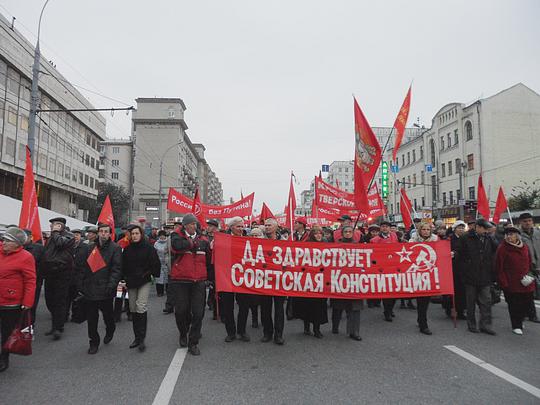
[
  {"x": 102, "y": 284},
  {"x": 140, "y": 261},
  {"x": 476, "y": 258},
  {"x": 58, "y": 255},
  {"x": 37, "y": 250},
  {"x": 512, "y": 264},
  {"x": 192, "y": 257}
]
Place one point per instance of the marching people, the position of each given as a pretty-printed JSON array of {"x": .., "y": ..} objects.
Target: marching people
[
  {"x": 140, "y": 262},
  {"x": 17, "y": 285},
  {"x": 97, "y": 285},
  {"x": 386, "y": 236},
  {"x": 422, "y": 235},
  {"x": 77, "y": 251},
  {"x": 36, "y": 249},
  {"x": 272, "y": 328},
  {"x": 300, "y": 232},
  {"x": 162, "y": 249},
  {"x": 346, "y": 220},
  {"x": 91, "y": 235},
  {"x": 513, "y": 262},
  {"x": 212, "y": 226},
  {"x": 187, "y": 281},
  {"x": 236, "y": 228},
  {"x": 476, "y": 255},
  {"x": 313, "y": 311},
  {"x": 255, "y": 299},
  {"x": 56, "y": 269},
  {"x": 350, "y": 306},
  {"x": 458, "y": 230},
  {"x": 531, "y": 237}
]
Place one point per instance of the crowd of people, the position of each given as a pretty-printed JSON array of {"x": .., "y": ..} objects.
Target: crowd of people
[{"x": 85, "y": 273}]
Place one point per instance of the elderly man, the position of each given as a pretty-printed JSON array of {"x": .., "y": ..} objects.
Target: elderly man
[
  {"x": 458, "y": 230},
  {"x": 272, "y": 328},
  {"x": 91, "y": 235},
  {"x": 56, "y": 268},
  {"x": 300, "y": 232},
  {"x": 346, "y": 220},
  {"x": 187, "y": 281},
  {"x": 531, "y": 237},
  {"x": 236, "y": 228}
]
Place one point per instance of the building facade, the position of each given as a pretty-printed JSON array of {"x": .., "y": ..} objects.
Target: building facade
[
  {"x": 66, "y": 151},
  {"x": 115, "y": 163},
  {"x": 496, "y": 137}
]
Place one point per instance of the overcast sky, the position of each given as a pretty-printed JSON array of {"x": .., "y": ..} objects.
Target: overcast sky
[{"x": 268, "y": 84}]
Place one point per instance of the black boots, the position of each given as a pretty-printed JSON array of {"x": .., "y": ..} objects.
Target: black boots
[
  {"x": 4, "y": 361},
  {"x": 317, "y": 331},
  {"x": 139, "y": 330},
  {"x": 307, "y": 330}
]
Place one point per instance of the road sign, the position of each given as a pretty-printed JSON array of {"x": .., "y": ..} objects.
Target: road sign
[
  {"x": 325, "y": 168},
  {"x": 394, "y": 168},
  {"x": 429, "y": 168}
]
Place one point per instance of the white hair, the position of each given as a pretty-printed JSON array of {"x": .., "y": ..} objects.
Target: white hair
[
  {"x": 272, "y": 221},
  {"x": 235, "y": 221}
]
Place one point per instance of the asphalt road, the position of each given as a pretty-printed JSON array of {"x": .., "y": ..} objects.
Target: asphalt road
[{"x": 393, "y": 364}]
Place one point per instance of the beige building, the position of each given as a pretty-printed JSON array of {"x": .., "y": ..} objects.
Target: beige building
[
  {"x": 496, "y": 136},
  {"x": 115, "y": 163},
  {"x": 66, "y": 152}
]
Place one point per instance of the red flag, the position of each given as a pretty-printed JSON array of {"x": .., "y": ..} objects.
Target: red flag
[
  {"x": 29, "y": 216},
  {"x": 500, "y": 206},
  {"x": 400, "y": 122},
  {"x": 406, "y": 208},
  {"x": 106, "y": 216},
  {"x": 367, "y": 158},
  {"x": 291, "y": 207},
  {"x": 197, "y": 209},
  {"x": 95, "y": 260},
  {"x": 265, "y": 213},
  {"x": 483, "y": 203}
]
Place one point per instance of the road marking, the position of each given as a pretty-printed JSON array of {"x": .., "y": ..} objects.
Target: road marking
[
  {"x": 531, "y": 389},
  {"x": 166, "y": 388}
]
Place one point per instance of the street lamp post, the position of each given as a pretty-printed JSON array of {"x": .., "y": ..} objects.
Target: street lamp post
[
  {"x": 34, "y": 97},
  {"x": 161, "y": 178}
]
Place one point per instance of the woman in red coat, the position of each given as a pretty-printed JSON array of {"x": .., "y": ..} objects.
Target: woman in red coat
[
  {"x": 17, "y": 284},
  {"x": 513, "y": 264}
]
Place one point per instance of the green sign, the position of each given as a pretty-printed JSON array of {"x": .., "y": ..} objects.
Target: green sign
[{"x": 384, "y": 179}]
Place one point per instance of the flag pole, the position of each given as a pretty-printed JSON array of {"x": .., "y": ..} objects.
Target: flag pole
[{"x": 509, "y": 215}]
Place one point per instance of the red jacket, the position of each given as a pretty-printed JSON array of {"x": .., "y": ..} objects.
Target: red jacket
[
  {"x": 192, "y": 257},
  {"x": 17, "y": 278},
  {"x": 512, "y": 263},
  {"x": 392, "y": 238}
]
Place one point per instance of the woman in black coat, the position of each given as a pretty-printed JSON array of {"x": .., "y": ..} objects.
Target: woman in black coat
[
  {"x": 140, "y": 262},
  {"x": 312, "y": 310}
]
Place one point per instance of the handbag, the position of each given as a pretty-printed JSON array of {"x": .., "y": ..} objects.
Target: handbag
[
  {"x": 78, "y": 310},
  {"x": 527, "y": 280},
  {"x": 20, "y": 340}
]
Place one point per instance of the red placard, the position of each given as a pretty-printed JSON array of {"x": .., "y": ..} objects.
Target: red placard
[
  {"x": 334, "y": 270},
  {"x": 178, "y": 202}
]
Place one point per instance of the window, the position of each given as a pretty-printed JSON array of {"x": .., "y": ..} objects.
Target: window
[
  {"x": 13, "y": 81},
  {"x": 442, "y": 143},
  {"x": 91, "y": 182},
  {"x": 94, "y": 145},
  {"x": 423, "y": 201},
  {"x": 421, "y": 151},
  {"x": 414, "y": 155},
  {"x": 443, "y": 170},
  {"x": 340, "y": 169},
  {"x": 468, "y": 131},
  {"x": 22, "y": 152},
  {"x": 61, "y": 146},
  {"x": 67, "y": 172},
  {"x": 432, "y": 151},
  {"x": 444, "y": 199},
  {"x": 415, "y": 205},
  {"x": 88, "y": 141},
  {"x": 408, "y": 158},
  {"x": 43, "y": 161},
  {"x": 458, "y": 166},
  {"x": 116, "y": 149},
  {"x": 10, "y": 147},
  {"x": 458, "y": 195},
  {"x": 422, "y": 177},
  {"x": 472, "y": 195},
  {"x": 52, "y": 165},
  {"x": 12, "y": 116},
  {"x": 470, "y": 162},
  {"x": 86, "y": 180},
  {"x": 52, "y": 140},
  {"x": 346, "y": 169},
  {"x": 403, "y": 182},
  {"x": 24, "y": 123},
  {"x": 433, "y": 188},
  {"x": 402, "y": 160},
  {"x": 92, "y": 162},
  {"x": 101, "y": 173},
  {"x": 450, "y": 168},
  {"x": 87, "y": 160},
  {"x": 414, "y": 180},
  {"x": 69, "y": 151},
  {"x": 114, "y": 175},
  {"x": 456, "y": 137},
  {"x": 408, "y": 181},
  {"x": 449, "y": 140},
  {"x": 81, "y": 178},
  {"x": 451, "y": 197},
  {"x": 96, "y": 184},
  {"x": 60, "y": 169}
]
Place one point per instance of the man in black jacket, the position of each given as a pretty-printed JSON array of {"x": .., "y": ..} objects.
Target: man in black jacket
[
  {"x": 36, "y": 249},
  {"x": 476, "y": 255},
  {"x": 56, "y": 268},
  {"x": 98, "y": 285}
]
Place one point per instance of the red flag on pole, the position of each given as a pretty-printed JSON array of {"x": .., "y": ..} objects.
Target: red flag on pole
[
  {"x": 106, "y": 216},
  {"x": 406, "y": 208},
  {"x": 265, "y": 213},
  {"x": 197, "y": 209},
  {"x": 95, "y": 260},
  {"x": 401, "y": 122},
  {"x": 483, "y": 203},
  {"x": 500, "y": 206},
  {"x": 29, "y": 216},
  {"x": 367, "y": 157},
  {"x": 290, "y": 208}
]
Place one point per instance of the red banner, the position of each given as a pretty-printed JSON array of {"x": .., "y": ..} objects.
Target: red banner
[
  {"x": 334, "y": 270},
  {"x": 29, "y": 215},
  {"x": 178, "y": 202}
]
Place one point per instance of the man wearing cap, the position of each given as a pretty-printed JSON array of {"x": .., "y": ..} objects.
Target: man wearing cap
[
  {"x": 17, "y": 285},
  {"x": 56, "y": 268},
  {"x": 187, "y": 281},
  {"x": 91, "y": 235},
  {"x": 212, "y": 226},
  {"x": 346, "y": 220},
  {"x": 475, "y": 253},
  {"x": 98, "y": 286},
  {"x": 458, "y": 230},
  {"x": 531, "y": 237},
  {"x": 300, "y": 233}
]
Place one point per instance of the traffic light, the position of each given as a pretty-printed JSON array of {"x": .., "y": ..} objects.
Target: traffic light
[{"x": 384, "y": 179}]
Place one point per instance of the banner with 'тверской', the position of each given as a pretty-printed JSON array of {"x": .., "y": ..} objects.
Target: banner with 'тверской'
[{"x": 333, "y": 270}]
